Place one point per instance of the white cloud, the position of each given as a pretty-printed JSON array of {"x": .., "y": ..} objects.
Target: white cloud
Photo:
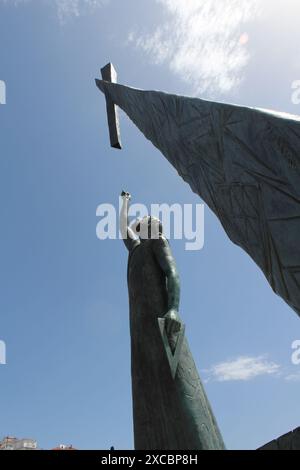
[
  {"x": 243, "y": 368},
  {"x": 293, "y": 377},
  {"x": 202, "y": 41},
  {"x": 66, "y": 8}
]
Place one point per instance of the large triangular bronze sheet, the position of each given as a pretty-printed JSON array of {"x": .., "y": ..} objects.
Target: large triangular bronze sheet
[{"x": 243, "y": 162}]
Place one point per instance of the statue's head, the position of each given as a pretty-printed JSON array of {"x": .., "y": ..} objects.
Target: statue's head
[{"x": 148, "y": 227}]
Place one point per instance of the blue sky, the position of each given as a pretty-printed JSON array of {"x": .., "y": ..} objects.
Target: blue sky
[{"x": 63, "y": 303}]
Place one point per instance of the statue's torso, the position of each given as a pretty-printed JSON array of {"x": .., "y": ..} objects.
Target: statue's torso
[{"x": 146, "y": 283}]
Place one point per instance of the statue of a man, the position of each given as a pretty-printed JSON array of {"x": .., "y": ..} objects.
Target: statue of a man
[{"x": 170, "y": 413}]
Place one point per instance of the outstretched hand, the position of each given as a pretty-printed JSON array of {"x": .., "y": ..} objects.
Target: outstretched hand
[{"x": 126, "y": 195}]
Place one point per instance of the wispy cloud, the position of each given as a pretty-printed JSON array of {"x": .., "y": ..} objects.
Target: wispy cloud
[
  {"x": 293, "y": 377},
  {"x": 204, "y": 42},
  {"x": 242, "y": 368},
  {"x": 65, "y": 8}
]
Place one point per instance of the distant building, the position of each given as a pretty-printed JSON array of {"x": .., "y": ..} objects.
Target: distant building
[
  {"x": 64, "y": 447},
  {"x": 12, "y": 443}
]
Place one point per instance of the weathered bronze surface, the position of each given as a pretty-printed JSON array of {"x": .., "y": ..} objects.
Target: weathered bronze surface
[
  {"x": 243, "y": 162},
  {"x": 170, "y": 407},
  {"x": 109, "y": 74}
]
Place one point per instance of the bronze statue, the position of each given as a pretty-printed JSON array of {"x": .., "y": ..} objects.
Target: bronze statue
[
  {"x": 170, "y": 407},
  {"x": 243, "y": 162}
]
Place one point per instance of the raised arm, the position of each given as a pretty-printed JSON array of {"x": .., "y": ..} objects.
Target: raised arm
[
  {"x": 167, "y": 263},
  {"x": 128, "y": 236}
]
